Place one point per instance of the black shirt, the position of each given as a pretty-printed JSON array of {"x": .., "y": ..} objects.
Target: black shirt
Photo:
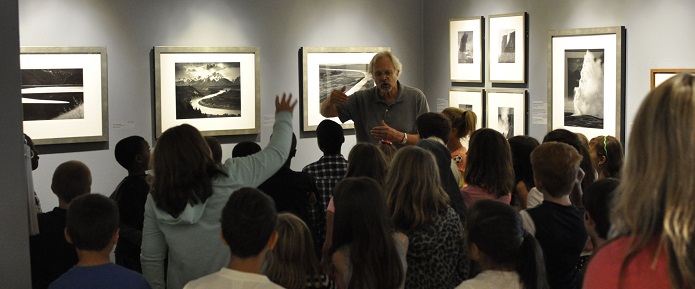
[{"x": 51, "y": 255}]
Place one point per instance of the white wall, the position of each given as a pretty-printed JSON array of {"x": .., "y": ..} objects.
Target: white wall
[{"x": 130, "y": 28}]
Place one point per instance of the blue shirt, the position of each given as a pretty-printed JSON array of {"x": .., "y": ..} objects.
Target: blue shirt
[{"x": 106, "y": 276}]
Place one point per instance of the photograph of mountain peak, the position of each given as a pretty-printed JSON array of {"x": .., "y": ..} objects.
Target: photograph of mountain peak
[{"x": 205, "y": 90}]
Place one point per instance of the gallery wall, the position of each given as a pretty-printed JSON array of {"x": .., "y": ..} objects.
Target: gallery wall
[
  {"x": 129, "y": 29},
  {"x": 654, "y": 40}
]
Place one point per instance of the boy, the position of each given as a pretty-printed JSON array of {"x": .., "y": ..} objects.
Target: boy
[
  {"x": 557, "y": 224},
  {"x": 133, "y": 154},
  {"x": 92, "y": 227},
  {"x": 248, "y": 228},
  {"x": 51, "y": 255}
]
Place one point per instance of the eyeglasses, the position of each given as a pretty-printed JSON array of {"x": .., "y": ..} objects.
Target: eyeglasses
[{"x": 605, "y": 149}]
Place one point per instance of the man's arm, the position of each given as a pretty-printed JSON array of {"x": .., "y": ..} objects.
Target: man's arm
[
  {"x": 385, "y": 132},
  {"x": 328, "y": 108}
]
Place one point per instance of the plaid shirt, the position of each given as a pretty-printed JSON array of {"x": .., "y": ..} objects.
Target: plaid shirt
[{"x": 327, "y": 172}]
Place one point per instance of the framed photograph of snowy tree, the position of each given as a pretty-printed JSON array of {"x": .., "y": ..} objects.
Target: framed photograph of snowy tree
[
  {"x": 327, "y": 68},
  {"x": 586, "y": 80},
  {"x": 507, "y": 43},
  {"x": 215, "y": 89},
  {"x": 64, "y": 94}
]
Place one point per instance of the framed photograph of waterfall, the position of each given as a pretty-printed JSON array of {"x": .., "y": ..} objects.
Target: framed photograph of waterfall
[
  {"x": 508, "y": 54},
  {"x": 586, "y": 80},
  {"x": 466, "y": 49},
  {"x": 215, "y": 89},
  {"x": 64, "y": 94},
  {"x": 327, "y": 68},
  {"x": 505, "y": 111}
]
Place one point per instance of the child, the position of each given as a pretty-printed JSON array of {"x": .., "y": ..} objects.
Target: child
[
  {"x": 51, "y": 255},
  {"x": 597, "y": 203},
  {"x": 556, "y": 223},
  {"x": 509, "y": 257},
  {"x": 248, "y": 227},
  {"x": 92, "y": 226},
  {"x": 133, "y": 154}
]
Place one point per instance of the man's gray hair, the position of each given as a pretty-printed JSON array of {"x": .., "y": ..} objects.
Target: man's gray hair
[{"x": 396, "y": 63}]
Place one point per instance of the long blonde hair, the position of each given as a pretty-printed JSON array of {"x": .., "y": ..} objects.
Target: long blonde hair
[
  {"x": 292, "y": 262},
  {"x": 414, "y": 192},
  {"x": 654, "y": 199}
]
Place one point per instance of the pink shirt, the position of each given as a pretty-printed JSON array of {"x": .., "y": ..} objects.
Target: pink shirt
[
  {"x": 642, "y": 272},
  {"x": 473, "y": 193},
  {"x": 331, "y": 206}
]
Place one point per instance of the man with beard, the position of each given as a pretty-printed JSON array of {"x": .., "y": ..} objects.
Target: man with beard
[{"x": 387, "y": 112}]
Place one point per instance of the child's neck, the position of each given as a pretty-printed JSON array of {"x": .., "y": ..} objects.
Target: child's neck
[
  {"x": 562, "y": 200},
  {"x": 136, "y": 172},
  {"x": 248, "y": 265},
  {"x": 93, "y": 258},
  {"x": 454, "y": 145}
]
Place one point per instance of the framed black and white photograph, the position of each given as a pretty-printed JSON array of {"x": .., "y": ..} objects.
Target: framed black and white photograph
[
  {"x": 215, "y": 89},
  {"x": 327, "y": 68},
  {"x": 505, "y": 111},
  {"x": 64, "y": 94},
  {"x": 466, "y": 49},
  {"x": 507, "y": 57},
  {"x": 659, "y": 75},
  {"x": 468, "y": 99},
  {"x": 586, "y": 80}
]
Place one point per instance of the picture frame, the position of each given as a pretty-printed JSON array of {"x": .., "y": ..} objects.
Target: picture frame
[
  {"x": 659, "y": 75},
  {"x": 466, "y": 51},
  {"x": 468, "y": 99},
  {"x": 508, "y": 48},
  {"x": 215, "y": 89},
  {"x": 505, "y": 111},
  {"x": 586, "y": 80},
  {"x": 347, "y": 66},
  {"x": 65, "y": 94}
]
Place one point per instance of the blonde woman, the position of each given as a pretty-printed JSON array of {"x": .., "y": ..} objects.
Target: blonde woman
[
  {"x": 292, "y": 263},
  {"x": 654, "y": 216},
  {"x": 419, "y": 207},
  {"x": 462, "y": 126}
]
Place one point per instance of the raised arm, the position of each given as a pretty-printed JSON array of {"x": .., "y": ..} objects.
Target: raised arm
[{"x": 328, "y": 108}]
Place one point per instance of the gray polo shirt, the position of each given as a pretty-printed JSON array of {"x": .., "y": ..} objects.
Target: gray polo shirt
[{"x": 366, "y": 108}]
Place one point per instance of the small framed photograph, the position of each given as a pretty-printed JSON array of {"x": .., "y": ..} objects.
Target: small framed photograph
[
  {"x": 468, "y": 99},
  {"x": 215, "y": 89},
  {"x": 508, "y": 35},
  {"x": 586, "y": 80},
  {"x": 659, "y": 75},
  {"x": 64, "y": 94},
  {"x": 505, "y": 111},
  {"x": 466, "y": 49},
  {"x": 327, "y": 68}
]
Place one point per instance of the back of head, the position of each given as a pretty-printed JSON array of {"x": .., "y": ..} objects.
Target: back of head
[
  {"x": 611, "y": 149},
  {"x": 292, "y": 260},
  {"x": 521, "y": 147},
  {"x": 462, "y": 120},
  {"x": 366, "y": 160},
  {"x": 329, "y": 136},
  {"x": 388, "y": 150},
  {"x": 556, "y": 166},
  {"x": 215, "y": 148},
  {"x": 183, "y": 169},
  {"x": 654, "y": 200},
  {"x": 92, "y": 221},
  {"x": 442, "y": 157},
  {"x": 433, "y": 124},
  {"x": 385, "y": 54},
  {"x": 126, "y": 150},
  {"x": 245, "y": 148},
  {"x": 489, "y": 162},
  {"x": 598, "y": 199},
  {"x": 570, "y": 138},
  {"x": 496, "y": 230},
  {"x": 248, "y": 221},
  {"x": 413, "y": 188},
  {"x": 362, "y": 222},
  {"x": 71, "y": 179}
]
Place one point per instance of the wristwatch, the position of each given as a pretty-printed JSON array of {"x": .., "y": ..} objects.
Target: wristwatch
[{"x": 405, "y": 138}]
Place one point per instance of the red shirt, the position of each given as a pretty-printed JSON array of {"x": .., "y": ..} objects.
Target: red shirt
[{"x": 642, "y": 272}]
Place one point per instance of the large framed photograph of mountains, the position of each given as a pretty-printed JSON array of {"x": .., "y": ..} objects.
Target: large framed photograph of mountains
[
  {"x": 215, "y": 89},
  {"x": 327, "y": 68},
  {"x": 64, "y": 94},
  {"x": 586, "y": 80}
]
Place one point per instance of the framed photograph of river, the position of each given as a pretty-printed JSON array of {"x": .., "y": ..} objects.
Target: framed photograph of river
[
  {"x": 215, "y": 89},
  {"x": 64, "y": 94},
  {"x": 328, "y": 68}
]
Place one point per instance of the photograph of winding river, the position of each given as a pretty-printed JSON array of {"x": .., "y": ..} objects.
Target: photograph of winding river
[
  {"x": 206, "y": 90},
  {"x": 52, "y": 94},
  {"x": 334, "y": 76}
]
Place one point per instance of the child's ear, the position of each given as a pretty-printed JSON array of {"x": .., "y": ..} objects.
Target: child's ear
[
  {"x": 601, "y": 160},
  {"x": 475, "y": 252},
  {"x": 67, "y": 236},
  {"x": 114, "y": 238},
  {"x": 223, "y": 239},
  {"x": 272, "y": 240},
  {"x": 538, "y": 184}
]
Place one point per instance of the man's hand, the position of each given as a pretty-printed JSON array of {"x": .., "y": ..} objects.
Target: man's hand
[
  {"x": 385, "y": 132},
  {"x": 338, "y": 96},
  {"x": 284, "y": 103}
]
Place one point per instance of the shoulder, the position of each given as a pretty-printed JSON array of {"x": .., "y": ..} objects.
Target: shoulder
[{"x": 409, "y": 90}]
